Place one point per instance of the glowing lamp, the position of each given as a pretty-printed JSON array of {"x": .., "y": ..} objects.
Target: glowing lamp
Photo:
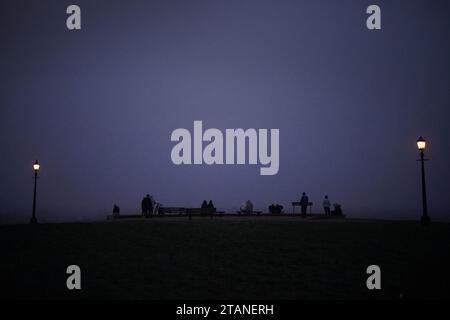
[
  {"x": 421, "y": 144},
  {"x": 36, "y": 166}
]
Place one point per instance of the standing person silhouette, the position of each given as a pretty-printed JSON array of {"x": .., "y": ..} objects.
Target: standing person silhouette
[
  {"x": 144, "y": 206},
  {"x": 304, "y": 201},
  {"x": 147, "y": 206},
  {"x": 326, "y": 206},
  {"x": 152, "y": 206}
]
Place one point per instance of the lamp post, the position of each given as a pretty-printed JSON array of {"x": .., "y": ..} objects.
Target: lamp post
[
  {"x": 421, "y": 145},
  {"x": 36, "y": 167}
]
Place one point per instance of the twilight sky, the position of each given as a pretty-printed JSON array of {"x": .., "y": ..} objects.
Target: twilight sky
[{"x": 97, "y": 106}]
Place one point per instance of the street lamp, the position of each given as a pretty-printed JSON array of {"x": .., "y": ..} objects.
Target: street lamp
[
  {"x": 36, "y": 167},
  {"x": 421, "y": 145}
]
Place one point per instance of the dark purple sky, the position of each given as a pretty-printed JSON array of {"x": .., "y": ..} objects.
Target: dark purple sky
[{"x": 97, "y": 106}]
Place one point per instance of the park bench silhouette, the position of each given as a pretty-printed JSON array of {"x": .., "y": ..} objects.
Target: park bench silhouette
[{"x": 171, "y": 211}]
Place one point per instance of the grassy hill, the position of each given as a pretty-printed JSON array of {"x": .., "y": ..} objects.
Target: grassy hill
[{"x": 229, "y": 258}]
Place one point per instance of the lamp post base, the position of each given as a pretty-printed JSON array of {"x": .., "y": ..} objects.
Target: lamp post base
[
  {"x": 33, "y": 220},
  {"x": 425, "y": 220}
]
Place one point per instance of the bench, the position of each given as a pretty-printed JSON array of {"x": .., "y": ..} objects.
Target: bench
[
  {"x": 172, "y": 210},
  {"x": 246, "y": 212},
  {"x": 184, "y": 211},
  {"x": 124, "y": 216},
  {"x": 201, "y": 211}
]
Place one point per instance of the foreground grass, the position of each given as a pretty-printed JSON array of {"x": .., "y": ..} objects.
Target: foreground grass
[{"x": 226, "y": 259}]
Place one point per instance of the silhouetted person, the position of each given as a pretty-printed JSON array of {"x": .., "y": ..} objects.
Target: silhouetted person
[
  {"x": 275, "y": 208},
  {"x": 116, "y": 210},
  {"x": 204, "y": 208},
  {"x": 156, "y": 209},
  {"x": 326, "y": 206},
  {"x": 304, "y": 201},
  {"x": 337, "y": 209},
  {"x": 211, "y": 207},
  {"x": 247, "y": 207},
  {"x": 144, "y": 206},
  {"x": 155, "y": 206},
  {"x": 147, "y": 206},
  {"x": 150, "y": 205}
]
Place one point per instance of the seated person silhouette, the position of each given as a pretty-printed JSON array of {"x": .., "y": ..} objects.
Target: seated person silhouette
[
  {"x": 275, "y": 208},
  {"x": 116, "y": 210},
  {"x": 204, "y": 207},
  {"x": 211, "y": 207},
  {"x": 247, "y": 207},
  {"x": 337, "y": 209}
]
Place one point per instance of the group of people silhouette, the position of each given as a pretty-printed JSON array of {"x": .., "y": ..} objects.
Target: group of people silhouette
[
  {"x": 304, "y": 203},
  {"x": 207, "y": 205},
  {"x": 151, "y": 207}
]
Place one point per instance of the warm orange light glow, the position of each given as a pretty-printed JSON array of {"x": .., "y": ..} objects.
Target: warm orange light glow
[{"x": 421, "y": 144}]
